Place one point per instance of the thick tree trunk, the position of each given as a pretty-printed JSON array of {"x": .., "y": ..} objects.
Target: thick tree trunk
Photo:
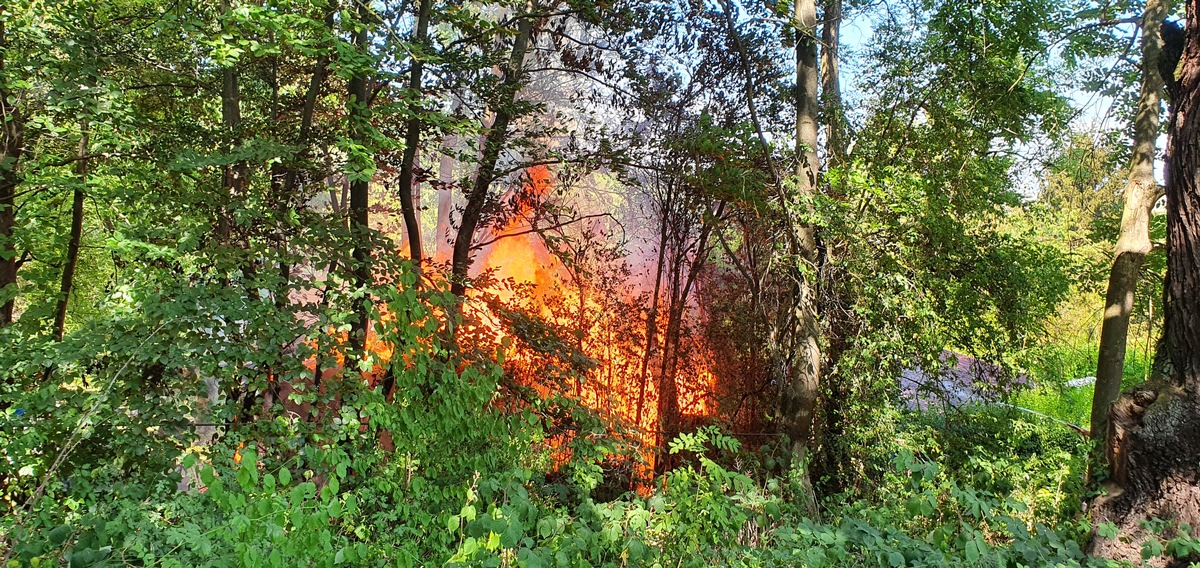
[
  {"x": 1155, "y": 430},
  {"x": 1133, "y": 244},
  {"x": 412, "y": 138},
  {"x": 493, "y": 143},
  {"x": 12, "y": 149},
  {"x": 359, "y": 114},
  {"x": 68, "y": 273},
  {"x": 802, "y": 364}
]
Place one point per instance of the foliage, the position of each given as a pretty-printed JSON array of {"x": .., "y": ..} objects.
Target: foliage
[{"x": 252, "y": 375}]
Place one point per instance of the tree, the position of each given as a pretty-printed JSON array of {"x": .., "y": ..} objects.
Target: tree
[
  {"x": 1133, "y": 243},
  {"x": 831, "y": 88},
  {"x": 1154, "y": 432},
  {"x": 12, "y": 149},
  {"x": 799, "y": 354},
  {"x": 412, "y": 137},
  {"x": 493, "y": 143},
  {"x": 358, "y": 112}
]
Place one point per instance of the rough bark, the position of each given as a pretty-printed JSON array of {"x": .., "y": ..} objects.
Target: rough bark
[
  {"x": 12, "y": 149},
  {"x": 493, "y": 143},
  {"x": 359, "y": 114},
  {"x": 68, "y": 273},
  {"x": 1133, "y": 243},
  {"x": 1155, "y": 429},
  {"x": 802, "y": 363},
  {"x": 412, "y": 138},
  {"x": 831, "y": 89}
]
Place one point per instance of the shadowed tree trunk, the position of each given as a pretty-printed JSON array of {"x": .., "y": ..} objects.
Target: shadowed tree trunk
[
  {"x": 652, "y": 316},
  {"x": 1155, "y": 429},
  {"x": 235, "y": 175},
  {"x": 685, "y": 273},
  {"x": 68, "y": 273},
  {"x": 493, "y": 143},
  {"x": 357, "y": 108},
  {"x": 412, "y": 138},
  {"x": 1133, "y": 244},
  {"x": 12, "y": 149}
]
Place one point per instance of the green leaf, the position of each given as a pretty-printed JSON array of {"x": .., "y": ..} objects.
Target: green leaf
[{"x": 59, "y": 535}]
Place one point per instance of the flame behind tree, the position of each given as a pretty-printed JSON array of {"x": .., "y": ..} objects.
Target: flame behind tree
[{"x": 559, "y": 293}]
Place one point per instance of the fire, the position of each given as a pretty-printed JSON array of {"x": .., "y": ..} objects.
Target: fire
[{"x": 607, "y": 326}]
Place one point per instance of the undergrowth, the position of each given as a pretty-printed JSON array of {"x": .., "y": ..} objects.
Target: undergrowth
[{"x": 96, "y": 472}]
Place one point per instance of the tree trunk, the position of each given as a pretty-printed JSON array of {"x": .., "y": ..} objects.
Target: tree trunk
[
  {"x": 444, "y": 232},
  {"x": 802, "y": 361},
  {"x": 1133, "y": 244},
  {"x": 411, "y": 139},
  {"x": 652, "y": 316},
  {"x": 235, "y": 175},
  {"x": 68, "y": 274},
  {"x": 669, "y": 412},
  {"x": 12, "y": 149},
  {"x": 831, "y": 89},
  {"x": 1155, "y": 430},
  {"x": 493, "y": 143},
  {"x": 359, "y": 114}
]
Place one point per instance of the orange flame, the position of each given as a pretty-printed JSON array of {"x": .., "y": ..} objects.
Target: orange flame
[{"x": 608, "y": 330}]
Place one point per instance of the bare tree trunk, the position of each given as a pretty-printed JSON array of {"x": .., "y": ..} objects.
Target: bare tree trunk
[
  {"x": 802, "y": 376},
  {"x": 359, "y": 114},
  {"x": 494, "y": 142},
  {"x": 1133, "y": 243},
  {"x": 68, "y": 274},
  {"x": 12, "y": 149},
  {"x": 831, "y": 89},
  {"x": 411, "y": 140},
  {"x": 1155, "y": 429},
  {"x": 669, "y": 412}
]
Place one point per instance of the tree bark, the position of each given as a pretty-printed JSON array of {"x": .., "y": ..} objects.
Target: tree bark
[
  {"x": 68, "y": 274},
  {"x": 1154, "y": 431},
  {"x": 359, "y": 115},
  {"x": 412, "y": 138},
  {"x": 1133, "y": 243},
  {"x": 235, "y": 175},
  {"x": 493, "y": 143},
  {"x": 831, "y": 89},
  {"x": 12, "y": 149},
  {"x": 802, "y": 360}
]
